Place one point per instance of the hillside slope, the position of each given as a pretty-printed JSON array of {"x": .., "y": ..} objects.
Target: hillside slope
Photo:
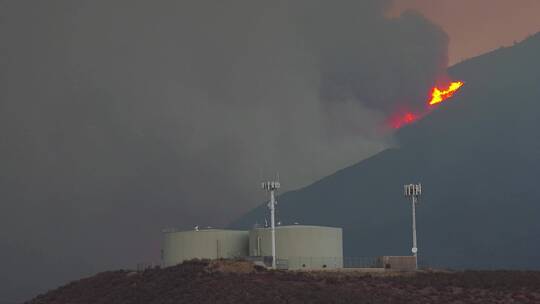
[
  {"x": 478, "y": 158},
  {"x": 200, "y": 282}
]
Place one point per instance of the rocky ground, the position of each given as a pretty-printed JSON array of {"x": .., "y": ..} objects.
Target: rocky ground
[{"x": 241, "y": 282}]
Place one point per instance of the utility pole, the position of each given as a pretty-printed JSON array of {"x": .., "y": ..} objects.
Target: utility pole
[
  {"x": 413, "y": 192},
  {"x": 272, "y": 187}
]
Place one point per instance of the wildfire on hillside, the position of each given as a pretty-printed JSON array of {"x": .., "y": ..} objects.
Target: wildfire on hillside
[
  {"x": 438, "y": 95},
  {"x": 400, "y": 120}
]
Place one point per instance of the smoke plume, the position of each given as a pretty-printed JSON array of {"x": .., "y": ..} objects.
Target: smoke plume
[{"x": 119, "y": 118}]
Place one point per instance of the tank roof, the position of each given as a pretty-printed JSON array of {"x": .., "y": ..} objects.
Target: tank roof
[
  {"x": 298, "y": 226},
  {"x": 174, "y": 230}
]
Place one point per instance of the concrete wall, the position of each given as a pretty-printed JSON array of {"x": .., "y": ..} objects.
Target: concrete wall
[
  {"x": 304, "y": 247},
  {"x": 400, "y": 263},
  {"x": 203, "y": 244}
]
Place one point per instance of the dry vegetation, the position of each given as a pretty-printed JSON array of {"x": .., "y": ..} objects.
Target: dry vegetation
[{"x": 241, "y": 282}]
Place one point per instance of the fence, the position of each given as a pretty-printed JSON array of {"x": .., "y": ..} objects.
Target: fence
[
  {"x": 361, "y": 262},
  {"x": 319, "y": 262},
  {"x": 455, "y": 262},
  {"x": 147, "y": 265},
  {"x": 300, "y": 262}
]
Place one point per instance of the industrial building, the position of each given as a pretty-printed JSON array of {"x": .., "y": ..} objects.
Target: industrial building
[
  {"x": 294, "y": 246},
  {"x": 179, "y": 246},
  {"x": 286, "y": 247},
  {"x": 299, "y": 246}
]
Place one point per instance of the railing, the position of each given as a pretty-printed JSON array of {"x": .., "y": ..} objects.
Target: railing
[
  {"x": 330, "y": 262},
  {"x": 300, "y": 262},
  {"x": 457, "y": 262},
  {"x": 148, "y": 265},
  {"x": 361, "y": 262}
]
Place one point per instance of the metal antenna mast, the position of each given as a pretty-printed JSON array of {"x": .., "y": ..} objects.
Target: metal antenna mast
[
  {"x": 413, "y": 192},
  {"x": 272, "y": 187}
]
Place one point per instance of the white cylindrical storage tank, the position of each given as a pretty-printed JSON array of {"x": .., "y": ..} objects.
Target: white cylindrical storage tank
[
  {"x": 302, "y": 247},
  {"x": 179, "y": 246}
]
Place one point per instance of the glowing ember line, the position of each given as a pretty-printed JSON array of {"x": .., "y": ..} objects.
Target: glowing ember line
[
  {"x": 439, "y": 95},
  {"x": 405, "y": 119}
]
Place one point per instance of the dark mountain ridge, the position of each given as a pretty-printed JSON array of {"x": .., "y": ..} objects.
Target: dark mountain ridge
[{"x": 478, "y": 158}]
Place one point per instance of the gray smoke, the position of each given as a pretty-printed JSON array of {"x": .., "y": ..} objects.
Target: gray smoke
[{"x": 119, "y": 118}]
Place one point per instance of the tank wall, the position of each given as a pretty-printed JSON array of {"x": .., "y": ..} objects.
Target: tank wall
[
  {"x": 309, "y": 247},
  {"x": 204, "y": 244}
]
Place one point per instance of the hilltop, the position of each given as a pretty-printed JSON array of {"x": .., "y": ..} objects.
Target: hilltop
[{"x": 237, "y": 282}]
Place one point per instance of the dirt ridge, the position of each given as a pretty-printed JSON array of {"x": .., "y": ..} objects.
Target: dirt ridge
[{"x": 242, "y": 282}]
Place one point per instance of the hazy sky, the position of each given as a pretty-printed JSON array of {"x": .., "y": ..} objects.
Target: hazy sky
[
  {"x": 119, "y": 118},
  {"x": 478, "y": 26}
]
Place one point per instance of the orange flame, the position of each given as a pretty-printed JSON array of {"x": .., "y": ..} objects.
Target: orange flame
[{"x": 439, "y": 95}]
